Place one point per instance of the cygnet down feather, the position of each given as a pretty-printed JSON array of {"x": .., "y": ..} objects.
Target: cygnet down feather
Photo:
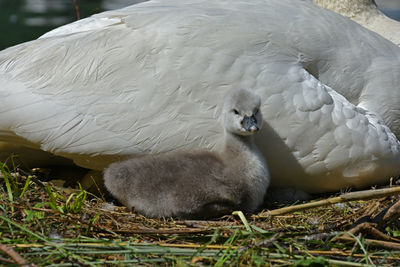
[{"x": 200, "y": 184}]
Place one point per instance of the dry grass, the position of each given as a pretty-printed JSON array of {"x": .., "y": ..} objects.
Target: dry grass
[{"x": 45, "y": 225}]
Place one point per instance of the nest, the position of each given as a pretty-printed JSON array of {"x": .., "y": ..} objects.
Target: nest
[{"x": 44, "y": 225}]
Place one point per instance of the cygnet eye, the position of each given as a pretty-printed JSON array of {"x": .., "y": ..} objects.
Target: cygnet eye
[{"x": 235, "y": 111}]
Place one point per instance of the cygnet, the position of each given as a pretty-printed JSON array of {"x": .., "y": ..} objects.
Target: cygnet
[{"x": 199, "y": 184}]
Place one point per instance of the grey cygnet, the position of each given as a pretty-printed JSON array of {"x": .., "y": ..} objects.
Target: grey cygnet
[{"x": 199, "y": 184}]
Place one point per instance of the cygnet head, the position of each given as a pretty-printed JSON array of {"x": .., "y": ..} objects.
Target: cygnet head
[{"x": 241, "y": 112}]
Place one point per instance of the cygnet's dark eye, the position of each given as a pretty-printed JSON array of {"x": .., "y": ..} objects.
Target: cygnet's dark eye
[{"x": 235, "y": 111}]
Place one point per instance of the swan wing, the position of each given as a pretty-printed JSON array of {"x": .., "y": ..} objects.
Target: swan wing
[
  {"x": 318, "y": 141},
  {"x": 151, "y": 79},
  {"x": 155, "y": 77}
]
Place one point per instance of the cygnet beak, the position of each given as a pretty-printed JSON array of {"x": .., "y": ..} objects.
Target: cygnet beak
[{"x": 250, "y": 124}]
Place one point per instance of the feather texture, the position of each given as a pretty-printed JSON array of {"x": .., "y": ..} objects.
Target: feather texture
[
  {"x": 199, "y": 184},
  {"x": 149, "y": 78}
]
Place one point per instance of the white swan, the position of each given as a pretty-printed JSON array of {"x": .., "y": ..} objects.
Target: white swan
[
  {"x": 148, "y": 78},
  {"x": 367, "y": 14},
  {"x": 199, "y": 184}
]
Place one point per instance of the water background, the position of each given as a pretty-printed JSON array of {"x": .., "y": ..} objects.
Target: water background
[{"x": 24, "y": 20}]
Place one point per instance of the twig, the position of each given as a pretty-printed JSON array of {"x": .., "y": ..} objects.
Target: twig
[
  {"x": 367, "y": 228},
  {"x": 330, "y": 261},
  {"x": 78, "y": 15},
  {"x": 198, "y": 246},
  {"x": 197, "y": 223},
  {"x": 374, "y": 242},
  {"x": 341, "y": 253},
  {"x": 360, "y": 195},
  {"x": 371, "y": 210},
  {"x": 121, "y": 244},
  {"x": 392, "y": 214},
  {"x": 194, "y": 225},
  {"x": 161, "y": 231},
  {"x": 14, "y": 255},
  {"x": 6, "y": 260}
]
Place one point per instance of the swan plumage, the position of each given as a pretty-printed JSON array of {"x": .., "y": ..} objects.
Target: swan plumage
[
  {"x": 366, "y": 13},
  {"x": 146, "y": 79},
  {"x": 199, "y": 184}
]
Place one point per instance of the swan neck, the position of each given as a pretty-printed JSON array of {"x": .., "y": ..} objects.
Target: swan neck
[{"x": 238, "y": 143}]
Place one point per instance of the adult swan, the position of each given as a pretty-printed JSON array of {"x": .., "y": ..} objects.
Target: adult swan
[{"x": 150, "y": 78}]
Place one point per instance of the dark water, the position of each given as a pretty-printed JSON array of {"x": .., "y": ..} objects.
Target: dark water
[{"x": 24, "y": 20}]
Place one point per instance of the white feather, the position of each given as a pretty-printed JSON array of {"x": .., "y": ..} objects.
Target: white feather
[{"x": 149, "y": 78}]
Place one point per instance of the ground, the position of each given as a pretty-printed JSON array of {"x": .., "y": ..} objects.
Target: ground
[{"x": 44, "y": 225}]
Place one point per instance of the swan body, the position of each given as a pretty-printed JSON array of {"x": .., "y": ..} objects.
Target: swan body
[
  {"x": 367, "y": 14},
  {"x": 147, "y": 79},
  {"x": 199, "y": 184}
]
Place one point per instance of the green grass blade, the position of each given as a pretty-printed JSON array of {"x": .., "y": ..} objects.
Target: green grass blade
[
  {"x": 7, "y": 178},
  {"x": 53, "y": 203},
  {"x": 26, "y": 185},
  {"x": 244, "y": 220}
]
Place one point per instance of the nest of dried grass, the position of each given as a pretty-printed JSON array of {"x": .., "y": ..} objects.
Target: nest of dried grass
[{"x": 41, "y": 224}]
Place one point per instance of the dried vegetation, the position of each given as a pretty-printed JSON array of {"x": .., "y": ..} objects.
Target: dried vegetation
[{"x": 44, "y": 225}]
